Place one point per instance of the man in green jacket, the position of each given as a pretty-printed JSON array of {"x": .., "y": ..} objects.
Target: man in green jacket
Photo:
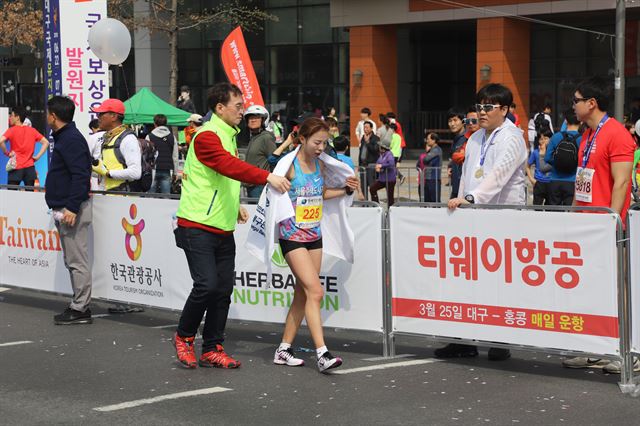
[{"x": 208, "y": 211}]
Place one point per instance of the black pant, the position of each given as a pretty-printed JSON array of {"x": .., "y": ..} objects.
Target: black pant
[
  {"x": 377, "y": 186},
  {"x": 561, "y": 193},
  {"x": 26, "y": 175},
  {"x": 431, "y": 191},
  {"x": 211, "y": 259},
  {"x": 541, "y": 193}
]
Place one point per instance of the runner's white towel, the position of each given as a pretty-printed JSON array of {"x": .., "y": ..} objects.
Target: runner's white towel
[{"x": 274, "y": 207}]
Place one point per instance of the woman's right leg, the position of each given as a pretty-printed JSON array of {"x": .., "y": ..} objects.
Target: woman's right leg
[{"x": 303, "y": 267}]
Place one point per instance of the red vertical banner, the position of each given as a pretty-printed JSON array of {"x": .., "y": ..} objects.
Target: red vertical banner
[{"x": 239, "y": 69}]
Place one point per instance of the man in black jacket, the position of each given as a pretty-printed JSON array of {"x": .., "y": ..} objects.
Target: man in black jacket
[
  {"x": 369, "y": 153},
  {"x": 67, "y": 194}
]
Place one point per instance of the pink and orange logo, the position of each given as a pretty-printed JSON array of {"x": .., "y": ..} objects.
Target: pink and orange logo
[{"x": 133, "y": 230}]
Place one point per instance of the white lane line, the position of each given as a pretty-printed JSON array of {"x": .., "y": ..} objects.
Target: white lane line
[
  {"x": 160, "y": 398},
  {"x": 388, "y": 365},
  {"x": 165, "y": 326},
  {"x": 100, "y": 315},
  {"x": 2, "y": 289},
  {"x": 21, "y": 342},
  {"x": 382, "y": 358}
]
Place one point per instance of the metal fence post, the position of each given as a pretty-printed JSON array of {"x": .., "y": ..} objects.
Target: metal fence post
[
  {"x": 389, "y": 349},
  {"x": 624, "y": 312}
]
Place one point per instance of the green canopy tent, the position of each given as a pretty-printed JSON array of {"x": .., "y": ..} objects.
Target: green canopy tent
[{"x": 141, "y": 107}]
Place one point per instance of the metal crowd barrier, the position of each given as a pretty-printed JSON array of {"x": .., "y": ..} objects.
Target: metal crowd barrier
[{"x": 628, "y": 384}]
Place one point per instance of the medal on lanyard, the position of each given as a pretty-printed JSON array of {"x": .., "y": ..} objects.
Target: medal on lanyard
[
  {"x": 484, "y": 148},
  {"x": 589, "y": 146}
]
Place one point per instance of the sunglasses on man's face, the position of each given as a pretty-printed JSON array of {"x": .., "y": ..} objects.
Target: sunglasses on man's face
[
  {"x": 486, "y": 107},
  {"x": 578, "y": 100},
  {"x": 468, "y": 121}
]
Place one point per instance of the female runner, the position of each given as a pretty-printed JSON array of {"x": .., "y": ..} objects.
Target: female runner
[{"x": 301, "y": 242}]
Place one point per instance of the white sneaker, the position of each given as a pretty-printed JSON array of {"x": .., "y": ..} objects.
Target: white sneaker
[
  {"x": 583, "y": 362},
  {"x": 614, "y": 367},
  {"x": 328, "y": 361},
  {"x": 287, "y": 357}
]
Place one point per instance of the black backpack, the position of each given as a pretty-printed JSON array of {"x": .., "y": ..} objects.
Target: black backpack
[
  {"x": 565, "y": 157},
  {"x": 148, "y": 152}
]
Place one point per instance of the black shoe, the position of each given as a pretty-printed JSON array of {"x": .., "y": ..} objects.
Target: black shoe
[
  {"x": 498, "y": 354},
  {"x": 71, "y": 316},
  {"x": 456, "y": 350}
]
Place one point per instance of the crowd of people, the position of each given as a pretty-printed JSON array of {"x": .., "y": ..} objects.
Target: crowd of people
[{"x": 592, "y": 161}]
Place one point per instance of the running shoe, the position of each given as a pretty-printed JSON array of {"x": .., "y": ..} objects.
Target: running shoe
[
  {"x": 218, "y": 359},
  {"x": 185, "y": 353},
  {"x": 614, "y": 367},
  {"x": 287, "y": 357},
  {"x": 583, "y": 362},
  {"x": 328, "y": 361},
  {"x": 71, "y": 316}
]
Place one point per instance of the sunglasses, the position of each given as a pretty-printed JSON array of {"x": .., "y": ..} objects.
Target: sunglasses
[
  {"x": 468, "y": 121},
  {"x": 487, "y": 107},
  {"x": 578, "y": 100}
]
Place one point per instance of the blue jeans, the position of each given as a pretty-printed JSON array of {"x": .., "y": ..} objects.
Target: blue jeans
[
  {"x": 211, "y": 258},
  {"x": 161, "y": 182}
]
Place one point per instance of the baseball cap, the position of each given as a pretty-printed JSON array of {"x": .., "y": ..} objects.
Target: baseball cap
[
  {"x": 110, "y": 105},
  {"x": 195, "y": 118}
]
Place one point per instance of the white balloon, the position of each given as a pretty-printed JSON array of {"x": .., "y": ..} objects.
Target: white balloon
[{"x": 110, "y": 40}]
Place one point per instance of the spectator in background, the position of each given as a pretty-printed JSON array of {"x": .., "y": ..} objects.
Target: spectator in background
[
  {"x": 543, "y": 118},
  {"x": 276, "y": 127},
  {"x": 365, "y": 115},
  {"x": 403, "y": 144},
  {"x": 94, "y": 142},
  {"x": 184, "y": 100},
  {"x": 369, "y": 153},
  {"x": 471, "y": 123},
  {"x": 67, "y": 193},
  {"x": 23, "y": 140},
  {"x": 386, "y": 169},
  {"x": 331, "y": 113},
  {"x": 261, "y": 145},
  {"x": 195, "y": 123},
  {"x": 603, "y": 179},
  {"x": 562, "y": 156},
  {"x": 455, "y": 118},
  {"x": 513, "y": 116},
  {"x": 166, "y": 155},
  {"x": 341, "y": 143},
  {"x": 540, "y": 178},
  {"x": 429, "y": 166}
]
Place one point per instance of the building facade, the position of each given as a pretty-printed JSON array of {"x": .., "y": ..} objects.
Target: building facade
[{"x": 420, "y": 57}]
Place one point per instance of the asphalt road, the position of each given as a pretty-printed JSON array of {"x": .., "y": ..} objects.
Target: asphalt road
[{"x": 122, "y": 370}]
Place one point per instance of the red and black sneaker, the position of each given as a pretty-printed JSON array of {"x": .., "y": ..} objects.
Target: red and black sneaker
[
  {"x": 185, "y": 353},
  {"x": 218, "y": 358}
]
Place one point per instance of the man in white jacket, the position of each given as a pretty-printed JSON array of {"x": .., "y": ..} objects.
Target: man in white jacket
[{"x": 492, "y": 173}]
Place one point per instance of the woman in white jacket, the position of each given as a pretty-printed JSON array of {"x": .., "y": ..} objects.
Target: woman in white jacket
[{"x": 301, "y": 242}]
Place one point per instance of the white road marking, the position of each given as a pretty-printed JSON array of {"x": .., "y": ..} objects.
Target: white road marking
[
  {"x": 388, "y": 365},
  {"x": 160, "y": 398},
  {"x": 100, "y": 315},
  {"x": 382, "y": 358},
  {"x": 21, "y": 342},
  {"x": 165, "y": 326},
  {"x": 2, "y": 289}
]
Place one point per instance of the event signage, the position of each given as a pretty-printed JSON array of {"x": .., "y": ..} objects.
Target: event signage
[
  {"x": 519, "y": 277},
  {"x": 239, "y": 69}
]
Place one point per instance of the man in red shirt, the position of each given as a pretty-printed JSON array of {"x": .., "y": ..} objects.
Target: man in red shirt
[
  {"x": 603, "y": 178},
  {"x": 23, "y": 141}
]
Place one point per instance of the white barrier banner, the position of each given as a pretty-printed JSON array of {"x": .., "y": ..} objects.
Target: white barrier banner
[
  {"x": 136, "y": 260},
  {"x": 633, "y": 225},
  {"x": 135, "y": 255},
  {"x": 30, "y": 252},
  {"x": 352, "y": 293},
  {"x": 545, "y": 279}
]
